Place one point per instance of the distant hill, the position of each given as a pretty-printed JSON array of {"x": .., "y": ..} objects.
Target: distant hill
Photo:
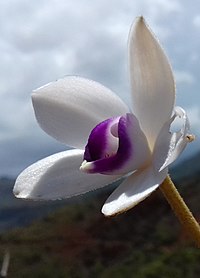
[
  {"x": 187, "y": 168},
  {"x": 17, "y": 212}
]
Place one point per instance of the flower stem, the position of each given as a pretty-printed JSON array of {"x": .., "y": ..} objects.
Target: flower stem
[{"x": 181, "y": 210}]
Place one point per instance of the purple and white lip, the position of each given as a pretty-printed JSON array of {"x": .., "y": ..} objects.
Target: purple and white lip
[{"x": 116, "y": 146}]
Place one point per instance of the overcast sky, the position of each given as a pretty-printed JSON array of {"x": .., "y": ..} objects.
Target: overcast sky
[{"x": 43, "y": 40}]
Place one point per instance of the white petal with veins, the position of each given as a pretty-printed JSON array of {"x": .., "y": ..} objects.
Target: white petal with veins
[
  {"x": 133, "y": 190},
  {"x": 68, "y": 109},
  {"x": 153, "y": 90},
  {"x": 57, "y": 177}
]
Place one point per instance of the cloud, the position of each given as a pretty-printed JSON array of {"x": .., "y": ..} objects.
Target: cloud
[
  {"x": 184, "y": 77},
  {"x": 43, "y": 40},
  {"x": 196, "y": 21},
  {"x": 194, "y": 116}
]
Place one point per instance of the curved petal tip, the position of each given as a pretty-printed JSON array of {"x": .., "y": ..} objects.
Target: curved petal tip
[
  {"x": 153, "y": 88},
  {"x": 58, "y": 177},
  {"x": 133, "y": 190}
]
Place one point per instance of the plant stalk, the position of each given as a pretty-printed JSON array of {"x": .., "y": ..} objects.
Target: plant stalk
[{"x": 190, "y": 225}]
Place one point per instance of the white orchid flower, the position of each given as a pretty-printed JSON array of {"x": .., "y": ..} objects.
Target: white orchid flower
[{"x": 138, "y": 146}]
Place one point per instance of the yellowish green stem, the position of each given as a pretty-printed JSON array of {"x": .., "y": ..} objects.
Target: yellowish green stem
[{"x": 190, "y": 225}]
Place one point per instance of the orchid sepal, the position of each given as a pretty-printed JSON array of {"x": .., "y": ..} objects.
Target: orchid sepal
[
  {"x": 73, "y": 106},
  {"x": 133, "y": 190},
  {"x": 58, "y": 177},
  {"x": 152, "y": 81}
]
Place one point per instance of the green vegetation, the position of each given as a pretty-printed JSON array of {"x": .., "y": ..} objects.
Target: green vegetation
[{"x": 78, "y": 241}]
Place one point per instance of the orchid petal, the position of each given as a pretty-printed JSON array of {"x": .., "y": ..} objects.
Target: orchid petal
[
  {"x": 70, "y": 108},
  {"x": 170, "y": 145},
  {"x": 153, "y": 89},
  {"x": 58, "y": 176},
  {"x": 133, "y": 190},
  {"x": 132, "y": 153}
]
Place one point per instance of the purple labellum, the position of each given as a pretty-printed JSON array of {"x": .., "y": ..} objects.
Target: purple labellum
[
  {"x": 110, "y": 146},
  {"x": 103, "y": 140}
]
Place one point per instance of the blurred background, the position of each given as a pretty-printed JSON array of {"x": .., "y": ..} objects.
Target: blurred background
[{"x": 41, "y": 41}]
